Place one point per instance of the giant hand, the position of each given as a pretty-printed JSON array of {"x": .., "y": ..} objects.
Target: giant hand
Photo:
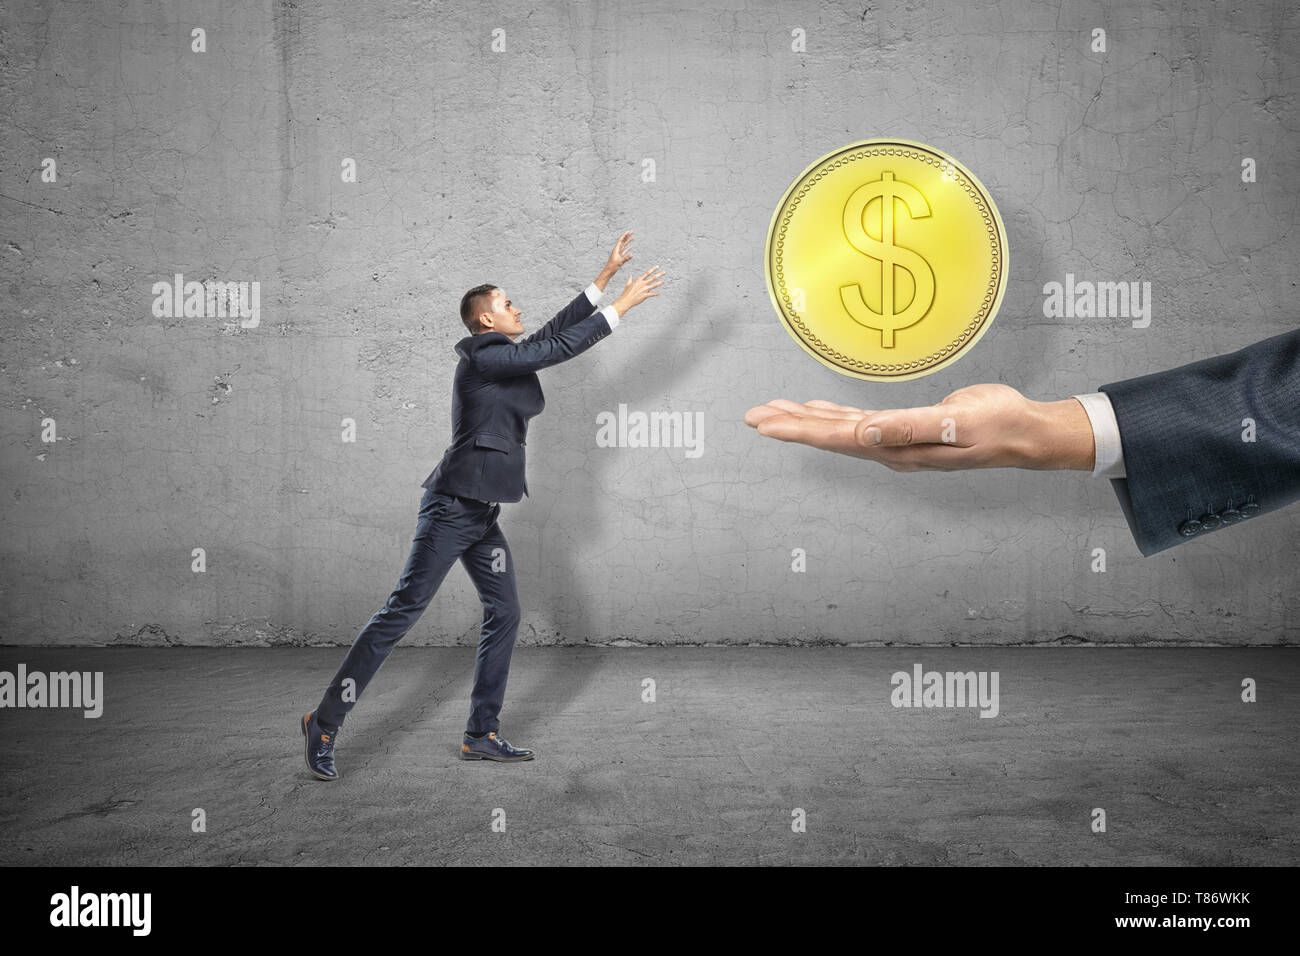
[{"x": 980, "y": 426}]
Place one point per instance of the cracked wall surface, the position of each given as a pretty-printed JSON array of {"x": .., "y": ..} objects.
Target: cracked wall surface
[{"x": 520, "y": 168}]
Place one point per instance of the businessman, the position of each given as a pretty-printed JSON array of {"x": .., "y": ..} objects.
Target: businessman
[
  {"x": 1189, "y": 451},
  {"x": 495, "y": 392}
]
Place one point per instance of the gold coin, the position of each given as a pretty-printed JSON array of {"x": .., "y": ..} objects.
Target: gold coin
[{"x": 886, "y": 260}]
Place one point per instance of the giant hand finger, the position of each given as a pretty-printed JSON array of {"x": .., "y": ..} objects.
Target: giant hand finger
[
  {"x": 839, "y": 435},
  {"x": 822, "y": 403},
  {"x": 824, "y": 433},
  {"x": 814, "y": 409},
  {"x": 929, "y": 424}
]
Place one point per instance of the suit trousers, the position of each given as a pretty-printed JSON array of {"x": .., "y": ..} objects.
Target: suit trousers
[{"x": 449, "y": 528}]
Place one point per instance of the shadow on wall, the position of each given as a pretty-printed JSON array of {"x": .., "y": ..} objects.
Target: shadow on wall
[{"x": 638, "y": 375}]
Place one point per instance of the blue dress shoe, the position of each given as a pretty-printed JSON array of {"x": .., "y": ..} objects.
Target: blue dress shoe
[
  {"x": 491, "y": 747},
  {"x": 320, "y": 748}
]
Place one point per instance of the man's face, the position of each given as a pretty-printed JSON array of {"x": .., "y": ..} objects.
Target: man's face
[{"x": 502, "y": 316}]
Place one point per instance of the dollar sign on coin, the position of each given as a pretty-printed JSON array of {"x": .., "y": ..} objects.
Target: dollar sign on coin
[
  {"x": 890, "y": 256},
  {"x": 886, "y": 260}
]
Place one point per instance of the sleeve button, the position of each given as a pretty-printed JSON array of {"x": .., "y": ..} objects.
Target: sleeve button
[{"x": 1189, "y": 527}]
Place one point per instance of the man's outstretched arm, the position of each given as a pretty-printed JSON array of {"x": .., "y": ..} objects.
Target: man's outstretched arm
[
  {"x": 589, "y": 298},
  {"x": 502, "y": 358},
  {"x": 1218, "y": 438},
  {"x": 582, "y": 306}
]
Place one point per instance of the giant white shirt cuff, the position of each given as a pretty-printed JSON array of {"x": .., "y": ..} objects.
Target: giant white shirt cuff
[{"x": 1109, "y": 452}]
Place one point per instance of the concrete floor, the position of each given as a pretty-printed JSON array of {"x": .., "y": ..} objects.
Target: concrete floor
[{"x": 709, "y": 773}]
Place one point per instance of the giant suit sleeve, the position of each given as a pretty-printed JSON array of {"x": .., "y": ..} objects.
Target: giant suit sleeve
[
  {"x": 1209, "y": 444},
  {"x": 504, "y": 359}
]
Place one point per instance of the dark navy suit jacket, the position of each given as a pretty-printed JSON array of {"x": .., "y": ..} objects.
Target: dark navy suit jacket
[
  {"x": 1188, "y": 471},
  {"x": 496, "y": 391}
]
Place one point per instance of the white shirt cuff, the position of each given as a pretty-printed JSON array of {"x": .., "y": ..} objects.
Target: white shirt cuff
[
  {"x": 611, "y": 316},
  {"x": 1109, "y": 457},
  {"x": 593, "y": 294}
]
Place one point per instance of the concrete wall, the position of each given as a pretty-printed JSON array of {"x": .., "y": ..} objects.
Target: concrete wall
[{"x": 520, "y": 168}]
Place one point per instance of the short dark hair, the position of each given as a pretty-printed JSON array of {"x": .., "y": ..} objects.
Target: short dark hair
[{"x": 470, "y": 305}]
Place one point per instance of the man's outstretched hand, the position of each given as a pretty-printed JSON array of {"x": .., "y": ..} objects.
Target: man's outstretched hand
[
  {"x": 619, "y": 256},
  {"x": 639, "y": 288},
  {"x": 980, "y": 426}
]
